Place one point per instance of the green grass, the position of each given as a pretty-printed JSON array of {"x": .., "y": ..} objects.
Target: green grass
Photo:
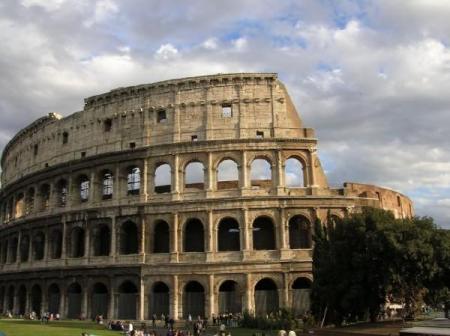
[
  {"x": 12, "y": 327},
  {"x": 59, "y": 328}
]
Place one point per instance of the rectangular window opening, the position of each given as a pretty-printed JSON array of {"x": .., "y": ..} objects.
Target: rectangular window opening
[
  {"x": 227, "y": 111},
  {"x": 260, "y": 134},
  {"x": 107, "y": 125},
  {"x": 162, "y": 116},
  {"x": 194, "y": 138},
  {"x": 132, "y": 145},
  {"x": 36, "y": 150},
  {"x": 83, "y": 154}
]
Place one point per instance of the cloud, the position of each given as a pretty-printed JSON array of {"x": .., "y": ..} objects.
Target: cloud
[{"x": 371, "y": 77}]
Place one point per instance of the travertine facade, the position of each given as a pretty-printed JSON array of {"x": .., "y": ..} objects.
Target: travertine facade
[{"x": 185, "y": 196}]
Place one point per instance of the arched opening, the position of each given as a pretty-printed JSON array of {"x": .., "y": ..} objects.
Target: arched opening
[
  {"x": 20, "y": 205},
  {"x": 107, "y": 184},
  {"x": 293, "y": 171},
  {"x": 194, "y": 240},
  {"x": 133, "y": 180},
  {"x": 299, "y": 233},
  {"x": 301, "y": 291},
  {"x": 22, "y": 300},
  {"x": 129, "y": 238},
  {"x": 99, "y": 300},
  {"x": 29, "y": 201},
  {"x": 45, "y": 196},
  {"x": 24, "y": 248},
  {"x": 2, "y": 299},
  {"x": 84, "y": 185},
  {"x": 194, "y": 175},
  {"x": 13, "y": 250},
  {"x": 55, "y": 244},
  {"x": 101, "y": 240},
  {"x": 10, "y": 300},
  {"x": 61, "y": 193},
  {"x": 229, "y": 298},
  {"x": 159, "y": 300},
  {"x": 127, "y": 301},
  {"x": 54, "y": 299},
  {"x": 161, "y": 237},
  {"x": 228, "y": 235},
  {"x": 261, "y": 174},
  {"x": 263, "y": 234},
  {"x": 38, "y": 246},
  {"x": 163, "y": 179},
  {"x": 36, "y": 299},
  {"x": 74, "y": 298},
  {"x": 5, "y": 251},
  {"x": 193, "y": 300},
  {"x": 266, "y": 297},
  {"x": 76, "y": 242},
  {"x": 227, "y": 175}
]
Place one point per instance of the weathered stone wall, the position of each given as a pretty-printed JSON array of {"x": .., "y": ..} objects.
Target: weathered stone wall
[{"x": 70, "y": 220}]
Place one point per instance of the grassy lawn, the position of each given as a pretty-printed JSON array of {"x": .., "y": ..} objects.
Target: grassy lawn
[{"x": 12, "y": 327}]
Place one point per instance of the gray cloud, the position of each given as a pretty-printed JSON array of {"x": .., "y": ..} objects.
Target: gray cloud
[{"x": 371, "y": 77}]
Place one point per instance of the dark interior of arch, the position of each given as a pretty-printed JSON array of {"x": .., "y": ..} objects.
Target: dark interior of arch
[
  {"x": 10, "y": 298},
  {"x": 24, "y": 248},
  {"x": 194, "y": 300},
  {"x": 299, "y": 233},
  {"x": 54, "y": 297},
  {"x": 161, "y": 238},
  {"x": 159, "y": 299},
  {"x": 301, "y": 283},
  {"x": 77, "y": 243},
  {"x": 13, "y": 249},
  {"x": 22, "y": 300},
  {"x": 194, "y": 240},
  {"x": 102, "y": 241},
  {"x": 5, "y": 251},
  {"x": 263, "y": 234},
  {"x": 229, "y": 298},
  {"x": 129, "y": 238},
  {"x": 229, "y": 235},
  {"x": 62, "y": 193},
  {"x": 127, "y": 301},
  {"x": 56, "y": 244},
  {"x": 99, "y": 300},
  {"x": 266, "y": 297},
  {"x": 36, "y": 299},
  {"x": 74, "y": 301},
  {"x": 38, "y": 246}
]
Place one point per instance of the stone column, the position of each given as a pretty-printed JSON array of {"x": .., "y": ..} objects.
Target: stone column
[
  {"x": 64, "y": 239},
  {"x": 111, "y": 306},
  {"x": 174, "y": 298},
  {"x": 280, "y": 173},
  {"x": 210, "y": 173},
  {"x": 312, "y": 159},
  {"x": 143, "y": 234},
  {"x": 62, "y": 302},
  {"x": 282, "y": 229},
  {"x": 174, "y": 238},
  {"x": 69, "y": 197},
  {"x": 144, "y": 181},
  {"x": 92, "y": 187},
  {"x": 248, "y": 302},
  {"x": 19, "y": 240},
  {"x": 30, "y": 248},
  {"x": 116, "y": 186},
  {"x": 210, "y": 235},
  {"x": 286, "y": 288},
  {"x": 243, "y": 174},
  {"x": 113, "y": 247},
  {"x": 141, "y": 299},
  {"x": 87, "y": 240},
  {"x": 211, "y": 296},
  {"x": 176, "y": 177},
  {"x": 46, "y": 244},
  {"x": 245, "y": 230},
  {"x": 84, "y": 302}
]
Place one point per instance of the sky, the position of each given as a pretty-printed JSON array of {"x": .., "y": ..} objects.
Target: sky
[{"x": 371, "y": 77}]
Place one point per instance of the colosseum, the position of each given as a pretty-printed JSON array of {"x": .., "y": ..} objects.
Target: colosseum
[{"x": 188, "y": 196}]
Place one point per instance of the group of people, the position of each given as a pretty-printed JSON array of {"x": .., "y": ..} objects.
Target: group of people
[{"x": 228, "y": 319}]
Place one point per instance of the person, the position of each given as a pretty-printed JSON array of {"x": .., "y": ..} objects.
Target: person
[
  {"x": 154, "y": 320},
  {"x": 292, "y": 333},
  {"x": 282, "y": 333},
  {"x": 130, "y": 327}
]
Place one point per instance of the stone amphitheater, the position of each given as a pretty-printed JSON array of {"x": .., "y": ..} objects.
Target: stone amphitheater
[{"x": 188, "y": 196}]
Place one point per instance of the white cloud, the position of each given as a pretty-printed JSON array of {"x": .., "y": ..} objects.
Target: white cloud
[
  {"x": 48, "y": 5},
  {"x": 166, "y": 52},
  {"x": 104, "y": 9},
  {"x": 240, "y": 44},
  {"x": 210, "y": 43}
]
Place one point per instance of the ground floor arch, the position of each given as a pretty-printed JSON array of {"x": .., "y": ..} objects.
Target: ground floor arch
[
  {"x": 266, "y": 297},
  {"x": 127, "y": 301},
  {"x": 74, "y": 297},
  {"x": 99, "y": 300},
  {"x": 54, "y": 299},
  {"x": 230, "y": 300},
  {"x": 159, "y": 299},
  {"x": 21, "y": 300},
  {"x": 301, "y": 291},
  {"x": 36, "y": 299},
  {"x": 193, "y": 300}
]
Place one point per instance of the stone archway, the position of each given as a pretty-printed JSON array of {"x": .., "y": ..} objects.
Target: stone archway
[
  {"x": 99, "y": 300},
  {"x": 74, "y": 297},
  {"x": 229, "y": 298},
  {"x": 54, "y": 299},
  {"x": 159, "y": 299},
  {"x": 127, "y": 301},
  {"x": 266, "y": 297},
  {"x": 193, "y": 300},
  {"x": 301, "y": 291}
]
